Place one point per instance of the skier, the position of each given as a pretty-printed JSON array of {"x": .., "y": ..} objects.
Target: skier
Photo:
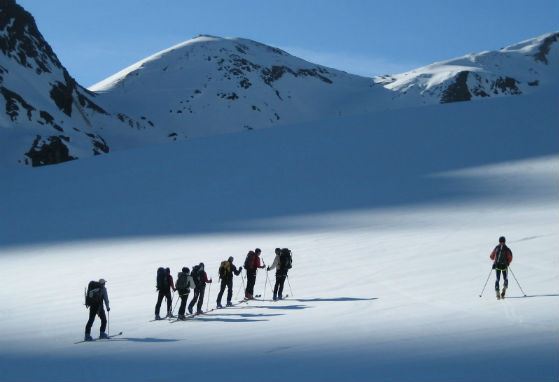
[
  {"x": 184, "y": 283},
  {"x": 252, "y": 263},
  {"x": 200, "y": 280},
  {"x": 164, "y": 286},
  {"x": 226, "y": 271},
  {"x": 96, "y": 295},
  {"x": 282, "y": 263},
  {"x": 502, "y": 257}
]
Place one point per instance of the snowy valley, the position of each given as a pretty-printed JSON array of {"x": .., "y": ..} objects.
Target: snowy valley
[{"x": 390, "y": 195}]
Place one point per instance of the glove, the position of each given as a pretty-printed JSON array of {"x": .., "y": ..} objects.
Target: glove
[
  {"x": 267, "y": 269},
  {"x": 108, "y": 309},
  {"x": 240, "y": 269},
  {"x": 493, "y": 267}
]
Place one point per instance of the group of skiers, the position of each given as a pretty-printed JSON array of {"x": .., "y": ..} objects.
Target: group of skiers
[{"x": 197, "y": 279}]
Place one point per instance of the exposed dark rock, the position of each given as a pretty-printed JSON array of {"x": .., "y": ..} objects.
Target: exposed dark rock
[
  {"x": 270, "y": 75},
  {"x": 507, "y": 85},
  {"x": 545, "y": 47},
  {"x": 534, "y": 83},
  {"x": 12, "y": 101},
  {"x": 245, "y": 83},
  {"x": 458, "y": 90},
  {"x": 49, "y": 151},
  {"x": 22, "y": 41}
]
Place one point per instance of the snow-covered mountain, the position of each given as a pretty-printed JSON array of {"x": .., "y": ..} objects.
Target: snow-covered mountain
[
  {"x": 517, "y": 69},
  {"x": 211, "y": 85},
  {"x": 46, "y": 116}
]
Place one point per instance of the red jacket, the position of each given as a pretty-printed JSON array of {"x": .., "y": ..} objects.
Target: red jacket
[{"x": 256, "y": 262}]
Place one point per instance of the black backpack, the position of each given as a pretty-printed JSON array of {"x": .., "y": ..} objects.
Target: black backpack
[
  {"x": 196, "y": 275},
  {"x": 182, "y": 281},
  {"x": 162, "y": 279},
  {"x": 93, "y": 295},
  {"x": 285, "y": 260},
  {"x": 501, "y": 261},
  {"x": 224, "y": 269},
  {"x": 249, "y": 261}
]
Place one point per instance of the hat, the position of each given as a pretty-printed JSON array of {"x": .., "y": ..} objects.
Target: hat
[
  {"x": 102, "y": 281},
  {"x": 502, "y": 239},
  {"x": 257, "y": 250},
  {"x": 185, "y": 270},
  {"x": 230, "y": 259},
  {"x": 277, "y": 250}
]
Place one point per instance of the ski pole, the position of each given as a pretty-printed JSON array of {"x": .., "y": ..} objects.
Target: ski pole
[
  {"x": 109, "y": 323},
  {"x": 174, "y": 306},
  {"x": 265, "y": 285},
  {"x": 209, "y": 293},
  {"x": 291, "y": 290},
  {"x": 486, "y": 281},
  {"x": 240, "y": 285},
  {"x": 517, "y": 281}
]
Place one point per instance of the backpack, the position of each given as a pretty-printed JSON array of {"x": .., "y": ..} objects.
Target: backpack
[
  {"x": 162, "y": 279},
  {"x": 249, "y": 261},
  {"x": 501, "y": 261},
  {"x": 196, "y": 275},
  {"x": 182, "y": 281},
  {"x": 224, "y": 269},
  {"x": 285, "y": 260},
  {"x": 93, "y": 295}
]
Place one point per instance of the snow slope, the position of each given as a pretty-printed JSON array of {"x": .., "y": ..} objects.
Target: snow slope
[
  {"x": 391, "y": 229},
  {"x": 517, "y": 69}
]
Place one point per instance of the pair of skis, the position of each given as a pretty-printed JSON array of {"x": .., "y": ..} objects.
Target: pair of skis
[{"x": 100, "y": 339}]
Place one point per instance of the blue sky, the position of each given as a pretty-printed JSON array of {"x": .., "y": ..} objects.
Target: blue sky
[{"x": 95, "y": 39}]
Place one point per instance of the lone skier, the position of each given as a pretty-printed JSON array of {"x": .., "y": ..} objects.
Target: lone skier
[
  {"x": 282, "y": 263},
  {"x": 184, "y": 283},
  {"x": 502, "y": 257},
  {"x": 96, "y": 295},
  {"x": 226, "y": 271},
  {"x": 164, "y": 286},
  {"x": 252, "y": 263},
  {"x": 200, "y": 280}
]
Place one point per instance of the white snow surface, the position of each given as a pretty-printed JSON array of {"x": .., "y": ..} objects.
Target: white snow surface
[{"x": 391, "y": 217}]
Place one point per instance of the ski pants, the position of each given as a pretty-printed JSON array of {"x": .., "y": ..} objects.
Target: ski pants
[
  {"x": 225, "y": 284},
  {"x": 96, "y": 310},
  {"x": 183, "y": 298},
  {"x": 281, "y": 275},
  {"x": 505, "y": 278},
  {"x": 167, "y": 295},
  {"x": 198, "y": 297},
  {"x": 251, "y": 280}
]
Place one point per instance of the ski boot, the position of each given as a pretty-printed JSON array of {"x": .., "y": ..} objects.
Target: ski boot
[
  {"x": 199, "y": 311},
  {"x": 170, "y": 315},
  {"x": 219, "y": 306},
  {"x": 190, "y": 309},
  {"x": 229, "y": 304},
  {"x": 157, "y": 317},
  {"x": 103, "y": 336},
  {"x": 88, "y": 338},
  {"x": 280, "y": 297},
  {"x": 275, "y": 298},
  {"x": 181, "y": 317},
  {"x": 498, "y": 294},
  {"x": 503, "y": 293}
]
